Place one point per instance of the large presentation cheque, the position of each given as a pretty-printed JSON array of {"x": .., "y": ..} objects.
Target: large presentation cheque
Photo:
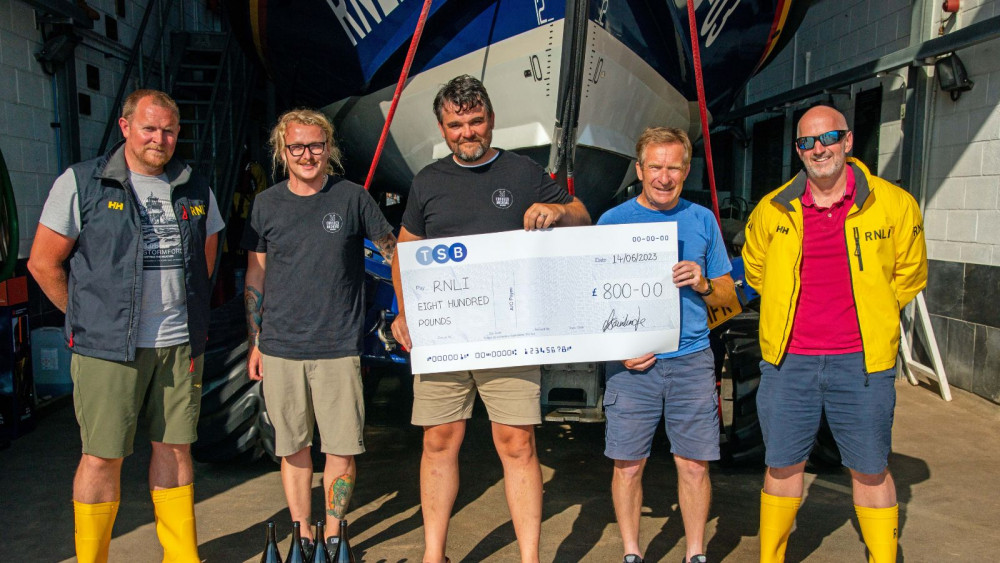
[{"x": 572, "y": 294}]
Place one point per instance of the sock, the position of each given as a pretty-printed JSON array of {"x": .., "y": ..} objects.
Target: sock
[
  {"x": 777, "y": 516},
  {"x": 175, "y": 524},
  {"x": 92, "y": 530},
  {"x": 879, "y": 527}
]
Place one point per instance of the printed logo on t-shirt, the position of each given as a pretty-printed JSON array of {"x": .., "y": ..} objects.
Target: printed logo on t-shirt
[
  {"x": 332, "y": 222},
  {"x": 502, "y": 198},
  {"x": 161, "y": 236}
]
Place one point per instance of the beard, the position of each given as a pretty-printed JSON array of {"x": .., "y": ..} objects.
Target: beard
[
  {"x": 154, "y": 158},
  {"x": 473, "y": 155},
  {"x": 831, "y": 168}
]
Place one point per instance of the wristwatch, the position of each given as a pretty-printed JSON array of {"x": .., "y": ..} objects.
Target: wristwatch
[{"x": 708, "y": 291}]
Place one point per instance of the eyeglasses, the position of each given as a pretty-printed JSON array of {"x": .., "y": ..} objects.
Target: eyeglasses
[
  {"x": 315, "y": 149},
  {"x": 826, "y": 139}
]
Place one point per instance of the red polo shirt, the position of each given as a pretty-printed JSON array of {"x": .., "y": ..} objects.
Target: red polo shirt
[{"x": 826, "y": 320}]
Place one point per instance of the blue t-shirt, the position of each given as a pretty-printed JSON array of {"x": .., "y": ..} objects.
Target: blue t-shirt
[{"x": 698, "y": 240}]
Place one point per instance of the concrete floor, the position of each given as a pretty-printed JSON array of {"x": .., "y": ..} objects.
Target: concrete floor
[{"x": 945, "y": 462}]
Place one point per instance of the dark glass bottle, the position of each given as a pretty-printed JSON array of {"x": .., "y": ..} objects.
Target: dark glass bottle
[
  {"x": 344, "y": 553},
  {"x": 271, "y": 554},
  {"x": 295, "y": 554},
  {"x": 319, "y": 554}
]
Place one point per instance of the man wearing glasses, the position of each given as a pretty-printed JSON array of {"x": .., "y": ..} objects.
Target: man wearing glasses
[
  {"x": 835, "y": 254},
  {"x": 305, "y": 246}
]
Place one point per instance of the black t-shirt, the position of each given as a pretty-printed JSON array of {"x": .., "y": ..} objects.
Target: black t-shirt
[
  {"x": 314, "y": 269},
  {"x": 448, "y": 200}
]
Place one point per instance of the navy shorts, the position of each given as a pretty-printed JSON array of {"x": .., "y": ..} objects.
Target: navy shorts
[
  {"x": 681, "y": 390},
  {"x": 859, "y": 408}
]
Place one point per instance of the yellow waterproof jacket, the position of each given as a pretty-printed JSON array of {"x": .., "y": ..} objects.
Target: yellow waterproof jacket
[{"x": 884, "y": 240}]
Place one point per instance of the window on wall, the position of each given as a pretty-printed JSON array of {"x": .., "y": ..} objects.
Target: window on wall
[
  {"x": 93, "y": 78},
  {"x": 111, "y": 28},
  {"x": 84, "y": 102},
  {"x": 795, "y": 163},
  {"x": 722, "y": 160},
  {"x": 768, "y": 138},
  {"x": 120, "y": 8},
  {"x": 867, "y": 124}
]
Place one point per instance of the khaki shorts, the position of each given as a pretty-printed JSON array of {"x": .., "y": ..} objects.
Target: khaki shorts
[
  {"x": 162, "y": 385},
  {"x": 512, "y": 395},
  {"x": 302, "y": 394}
]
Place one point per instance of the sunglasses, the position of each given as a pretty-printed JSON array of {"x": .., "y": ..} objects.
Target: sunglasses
[{"x": 826, "y": 139}]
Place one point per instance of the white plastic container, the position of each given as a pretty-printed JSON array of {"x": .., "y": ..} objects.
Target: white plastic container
[{"x": 50, "y": 363}]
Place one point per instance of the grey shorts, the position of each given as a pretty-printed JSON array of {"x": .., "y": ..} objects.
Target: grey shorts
[
  {"x": 680, "y": 390},
  {"x": 859, "y": 407},
  {"x": 303, "y": 394}
]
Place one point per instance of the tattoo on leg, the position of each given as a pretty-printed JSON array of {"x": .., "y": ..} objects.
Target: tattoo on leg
[{"x": 339, "y": 496}]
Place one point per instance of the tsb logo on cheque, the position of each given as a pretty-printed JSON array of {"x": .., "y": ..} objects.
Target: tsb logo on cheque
[{"x": 441, "y": 253}]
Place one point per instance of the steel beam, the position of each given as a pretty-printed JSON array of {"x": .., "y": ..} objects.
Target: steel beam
[{"x": 916, "y": 54}]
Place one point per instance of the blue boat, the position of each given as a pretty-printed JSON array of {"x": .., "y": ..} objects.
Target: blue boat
[{"x": 573, "y": 82}]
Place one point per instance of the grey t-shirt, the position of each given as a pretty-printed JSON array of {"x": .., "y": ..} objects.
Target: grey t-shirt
[
  {"x": 163, "y": 312},
  {"x": 314, "y": 269}
]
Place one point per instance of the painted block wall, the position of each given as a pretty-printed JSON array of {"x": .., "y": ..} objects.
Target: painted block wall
[
  {"x": 962, "y": 209},
  {"x": 27, "y": 96}
]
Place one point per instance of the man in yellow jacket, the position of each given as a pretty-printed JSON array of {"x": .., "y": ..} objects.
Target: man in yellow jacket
[{"x": 835, "y": 254}]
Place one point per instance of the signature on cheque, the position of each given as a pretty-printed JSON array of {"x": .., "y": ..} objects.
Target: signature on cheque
[{"x": 614, "y": 322}]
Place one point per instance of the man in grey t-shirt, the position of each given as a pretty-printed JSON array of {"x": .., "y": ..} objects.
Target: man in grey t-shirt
[
  {"x": 163, "y": 313},
  {"x": 140, "y": 231}
]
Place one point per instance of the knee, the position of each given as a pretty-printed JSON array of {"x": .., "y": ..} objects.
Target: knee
[
  {"x": 789, "y": 472},
  {"x": 340, "y": 464},
  {"x": 442, "y": 440},
  {"x": 871, "y": 479},
  {"x": 516, "y": 444},
  {"x": 629, "y": 470},
  {"x": 175, "y": 451},
  {"x": 691, "y": 470},
  {"x": 301, "y": 458},
  {"x": 99, "y": 465}
]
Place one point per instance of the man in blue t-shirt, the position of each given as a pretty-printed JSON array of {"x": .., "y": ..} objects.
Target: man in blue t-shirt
[{"x": 680, "y": 386}]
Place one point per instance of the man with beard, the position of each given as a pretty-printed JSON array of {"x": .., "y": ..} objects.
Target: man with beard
[
  {"x": 829, "y": 326},
  {"x": 475, "y": 190},
  {"x": 140, "y": 230}
]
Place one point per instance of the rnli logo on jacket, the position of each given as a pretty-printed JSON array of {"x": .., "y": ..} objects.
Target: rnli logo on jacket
[
  {"x": 198, "y": 209},
  {"x": 503, "y": 199},
  {"x": 116, "y": 205},
  {"x": 332, "y": 222},
  {"x": 878, "y": 234}
]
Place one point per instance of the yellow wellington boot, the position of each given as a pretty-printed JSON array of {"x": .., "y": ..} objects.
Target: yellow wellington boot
[
  {"x": 175, "y": 524},
  {"x": 879, "y": 528},
  {"x": 92, "y": 532},
  {"x": 777, "y": 516}
]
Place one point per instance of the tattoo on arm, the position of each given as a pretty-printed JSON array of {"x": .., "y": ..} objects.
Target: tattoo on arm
[
  {"x": 387, "y": 247},
  {"x": 254, "y": 302},
  {"x": 339, "y": 496}
]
